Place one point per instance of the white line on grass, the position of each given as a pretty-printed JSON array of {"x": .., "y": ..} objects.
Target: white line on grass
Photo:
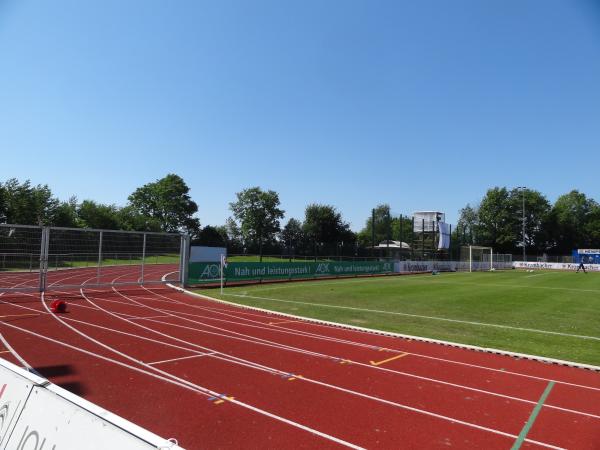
[
  {"x": 521, "y": 286},
  {"x": 536, "y": 275},
  {"x": 396, "y": 313}
]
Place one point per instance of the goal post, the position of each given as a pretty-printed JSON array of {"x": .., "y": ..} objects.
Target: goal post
[{"x": 475, "y": 258}]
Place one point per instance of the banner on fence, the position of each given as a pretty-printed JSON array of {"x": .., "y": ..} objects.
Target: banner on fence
[
  {"x": 245, "y": 271},
  {"x": 554, "y": 266},
  {"x": 424, "y": 266}
]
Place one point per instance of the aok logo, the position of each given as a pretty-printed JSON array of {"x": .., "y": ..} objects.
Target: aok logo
[
  {"x": 31, "y": 440},
  {"x": 322, "y": 268},
  {"x": 211, "y": 271}
]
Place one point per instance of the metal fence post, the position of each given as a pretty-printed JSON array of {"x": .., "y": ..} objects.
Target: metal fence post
[
  {"x": 184, "y": 259},
  {"x": 99, "y": 257},
  {"x": 44, "y": 246},
  {"x": 143, "y": 256}
]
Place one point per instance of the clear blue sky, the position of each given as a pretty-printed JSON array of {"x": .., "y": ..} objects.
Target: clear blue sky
[{"x": 419, "y": 104}]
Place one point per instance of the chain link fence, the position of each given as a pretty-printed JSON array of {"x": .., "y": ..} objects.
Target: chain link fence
[{"x": 38, "y": 258}]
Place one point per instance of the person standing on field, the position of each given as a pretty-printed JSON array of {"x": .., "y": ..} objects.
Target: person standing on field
[{"x": 581, "y": 266}]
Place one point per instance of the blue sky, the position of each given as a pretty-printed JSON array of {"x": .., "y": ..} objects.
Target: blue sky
[{"x": 422, "y": 105}]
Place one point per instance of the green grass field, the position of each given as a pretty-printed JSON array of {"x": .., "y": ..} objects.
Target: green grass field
[{"x": 553, "y": 314}]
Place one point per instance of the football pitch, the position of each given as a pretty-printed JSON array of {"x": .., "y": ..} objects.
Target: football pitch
[{"x": 544, "y": 313}]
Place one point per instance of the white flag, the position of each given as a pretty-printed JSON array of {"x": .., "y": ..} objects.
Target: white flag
[{"x": 223, "y": 260}]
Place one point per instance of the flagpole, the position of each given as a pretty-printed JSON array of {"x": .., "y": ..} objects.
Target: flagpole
[{"x": 221, "y": 275}]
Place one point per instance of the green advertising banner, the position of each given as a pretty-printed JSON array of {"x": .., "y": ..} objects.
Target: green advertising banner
[{"x": 202, "y": 272}]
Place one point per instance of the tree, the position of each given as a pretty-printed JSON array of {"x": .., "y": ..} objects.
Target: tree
[
  {"x": 468, "y": 225},
  {"x": 498, "y": 220},
  {"x": 3, "y": 198},
  {"x": 232, "y": 236},
  {"x": 131, "y": 219},
  {"x": 97, "y": 215},
  {"x": 292, "y": 237},
  {"x": 573, "y": 214},
  {"x": 323, "y": 225},
  {"x": 211, "y": 237},
  {"x": 592, "y": 226},
  {"x": 65, "y": 214},
  {"x": 258, "y": 213},
  {"x": 168, "y": 201},
  {"x": 384, "y": 226},
  {"x": 537, "y": 209},
  {"x": 26, "y": 204}
]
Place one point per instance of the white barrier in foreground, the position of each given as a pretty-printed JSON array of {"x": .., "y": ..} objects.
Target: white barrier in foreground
[
  {"x": 38, "y": 415},
  {"x": 554, "y": 266}
]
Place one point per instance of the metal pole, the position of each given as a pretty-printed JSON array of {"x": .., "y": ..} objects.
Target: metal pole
[
  {"x": 184, "y": 259},
  {"x": 372, "y": 231},
  {"x": 221, "y": 274},
  {"x": 44, "y": 258},
  {"x": 143, "y": 257},
  {"x": 413, "y": 240},
  {"x": 389, "y": 233},
  {"x": 450, "y": 243},
  {"x": 422, "y": 239},
  {"x": 524, "y": 251},
  {"x": 99, "y": 257},
  {"x": 470, "y": 258}
]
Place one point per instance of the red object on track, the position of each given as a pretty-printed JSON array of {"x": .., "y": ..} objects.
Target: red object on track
[{"x": 58, "y": 306}]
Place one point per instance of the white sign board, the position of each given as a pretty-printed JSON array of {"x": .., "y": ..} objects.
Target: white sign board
[
  {"x": 200, "y": 253},
  {"x": 51, "y": 422},
  {"x": 554, "y": 266},
  {"x": 14, "y": 390},
  {"x": 37, "y": 415}
]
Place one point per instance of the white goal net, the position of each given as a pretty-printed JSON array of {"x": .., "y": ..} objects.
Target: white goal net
[{"x": 476, "y": 259}]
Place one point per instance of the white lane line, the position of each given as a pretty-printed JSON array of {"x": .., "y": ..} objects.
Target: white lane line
[
  {"x": 199, "y": 355},
  {"x": 191, "y": 386},
  {"x": 302, "y": 351},
  {"x": 167, "y": 374},
  {"x": 265, "y": 313},
  {"x": 259, "y": 341},
  {"x": 390, "y": 335},
  {"x": 370, "y": 347},
  {"x": 419, "y": 316},
  {"x": 149, "y": 317},
  {"x": 240, "y": 361},
  {"x": 14, "y": 353}
]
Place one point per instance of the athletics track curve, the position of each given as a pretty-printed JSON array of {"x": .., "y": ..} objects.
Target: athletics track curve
[{"x": 214, "y": 375}]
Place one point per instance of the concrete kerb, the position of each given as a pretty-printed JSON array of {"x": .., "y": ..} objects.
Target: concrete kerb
[{"x": 409, "y": 337}]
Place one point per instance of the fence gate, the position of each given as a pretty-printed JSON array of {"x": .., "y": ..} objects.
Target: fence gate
[
  {"x": 40, "y": 258},
  {"x": 21, "y": 258}
]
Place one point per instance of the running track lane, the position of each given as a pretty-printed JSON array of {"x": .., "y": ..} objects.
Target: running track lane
[{"x": 327, "y": 404}]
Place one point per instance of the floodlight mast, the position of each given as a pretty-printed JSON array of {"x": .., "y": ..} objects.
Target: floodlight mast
[{"x": 523, "y": 209}]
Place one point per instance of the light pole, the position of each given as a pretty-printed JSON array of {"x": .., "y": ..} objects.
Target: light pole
[{"x": 523, "y": 210}]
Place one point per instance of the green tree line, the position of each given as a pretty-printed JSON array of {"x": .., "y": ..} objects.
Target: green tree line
[
  {"x": 163, "y": 205},
  {"x": 255, "y": 225},
  {"x": 573, "y": 221}
]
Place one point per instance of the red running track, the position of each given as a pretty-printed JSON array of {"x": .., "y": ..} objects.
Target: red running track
[{"x": 215, "y": 375}]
